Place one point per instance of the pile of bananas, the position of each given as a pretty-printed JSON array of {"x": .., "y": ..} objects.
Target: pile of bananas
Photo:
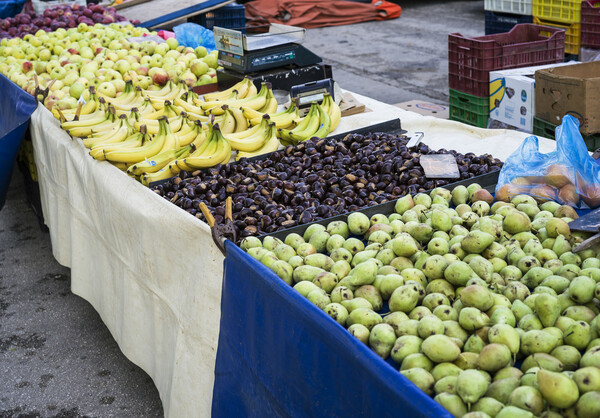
[{"x": 153, "y": 135}]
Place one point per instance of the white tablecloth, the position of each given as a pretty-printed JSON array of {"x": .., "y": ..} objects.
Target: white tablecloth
[{"x": 151, "y": 270}]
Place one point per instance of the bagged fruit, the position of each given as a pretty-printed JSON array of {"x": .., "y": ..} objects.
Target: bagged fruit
[{"x": 568, "y": 175}]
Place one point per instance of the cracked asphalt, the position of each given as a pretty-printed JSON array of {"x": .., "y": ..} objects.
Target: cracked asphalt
[{"x": 57, "y": 359}]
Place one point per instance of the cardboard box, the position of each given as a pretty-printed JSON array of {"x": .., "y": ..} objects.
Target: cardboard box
[
  {"x": 512, "y": 96},
  {"x": 572, "y": 90}
]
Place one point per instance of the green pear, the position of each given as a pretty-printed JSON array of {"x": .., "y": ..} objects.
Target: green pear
[
  {"x": 494, "y": 357},
  {"x": 557, "y": 389},
  {"x": 543, "y": 361},
  {"x": 587, "y": 379},
  {"x": 444, "y": 370},
  {"x": 547, "y": 308},
  {"x": 363, "y": 316},
  {"x": 578, "y": 335},
  {"x": 408, "y": 327},
  {"x": 471, "y": 385},
  {"x": 506, "y": 335},
  {"x": 537, "y": 341},
  {"x": 488, "y": 406},
  {"x": 515, "y": 222},
  {"x": 588, "y": 405},
  {"x": 467, "y": 360},
  {"x": 382, "y": 339},
  {"x": 430, "y": 325},
  {"x": 568, "y": 355},
  {"x": 591, "y": 357},
  {"x": 474, "y": 344},
  {"x": 453, "y": 403},
  {"x": 581, "y": 289},
  {"x": 404, "y": 346},
  {"x": 500, "y": 390},
  {"x": 476, "y": 242},
  {"x": 417, "y": 360},
  {"x": 404, "y": 298},
  {"x": 528, "y": 399},
  {"x": 445, "y": 384},
  {"x": 337, "y": 312},
  {"x": 440, "y": 349},
  {"x": 360, "y": 332}
]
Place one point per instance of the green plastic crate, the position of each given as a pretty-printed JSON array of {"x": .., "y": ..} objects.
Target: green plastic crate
[
  {"x": 469, "y": 109},
  {"x": 546, "y": 129}
]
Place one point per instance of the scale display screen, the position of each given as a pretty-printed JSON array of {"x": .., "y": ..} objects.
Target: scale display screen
[
  {"x": 271, "y": 58},
  {"x": 316, "y": 97}
]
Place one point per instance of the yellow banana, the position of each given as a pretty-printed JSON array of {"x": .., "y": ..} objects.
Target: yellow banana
[
  {"x": 171, "y": 140},
  {"x": 221, "y": 155},
  {"x": 228, "y": 124},
  {"x": 254, "y": 102},
  {"x": 251, "y": 142},
  {"x": 302, "y": 125},
  {"x": 121, "y": 131},
  {"x": 167, "y": 88},
  {"x": 284, "y": 119},
  {"x": 148, "y": 150},
  {"x": 91, "y": 126},
  {"x": 250, "y": 131},
  {"x": 312, "y": 127},
  {"x": 89, "y": 107},
  {"x": 270, "y": 105},
  {"x": 126, "y": 96},
  {"x": 333, "y": 110},
  {"x": 183, "y": 103},
  {"x": 159, "y": 161},
  {"x": 224, "y": 94},
  {"x": 159, "y": 102},
  {"x": 271, "y": 144},
  {"x": 135, "y": 140},
  {"x": 324, "y": 123},
  {"x": 98, "y": 116},
  {"x": 208, "y": 106},
  {"x": 252, "y": 90},
  {"x": 162, "y": 174},
  {"x": 241, "y": 123}
]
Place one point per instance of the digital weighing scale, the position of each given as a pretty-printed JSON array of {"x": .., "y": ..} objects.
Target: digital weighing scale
[{"x": 280, "y": 47}]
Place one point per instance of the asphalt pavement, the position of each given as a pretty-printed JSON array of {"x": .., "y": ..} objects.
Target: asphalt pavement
[{"x": 57, "y": 358}]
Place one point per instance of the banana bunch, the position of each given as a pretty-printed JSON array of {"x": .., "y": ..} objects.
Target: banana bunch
[
  {"x": 258, "y": 101},
  {"x": 243, "y": 89},
  {"x": 270, "y": 143},
  {"x": 215, "y": 150},
  {"x": 129, "y": 98},
  {"x": 316, "y": 123},
  {"x": 84, "y": 107},
  {"x": 169, "y": 92},
  {"x": 332, "y": 109},
  {"x": 98, "y": 121},
  {"x": 232, "y": 120},
  {"x": 285, "y": 119}
]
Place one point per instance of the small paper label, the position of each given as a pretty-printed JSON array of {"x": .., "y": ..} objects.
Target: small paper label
[{"x": 439, "y": 166}]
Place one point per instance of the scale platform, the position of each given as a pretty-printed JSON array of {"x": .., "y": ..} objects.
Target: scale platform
[{"x": 280, "y": 47}]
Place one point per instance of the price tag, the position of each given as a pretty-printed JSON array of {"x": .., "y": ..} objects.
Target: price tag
[{"x": 439, "y": 166}]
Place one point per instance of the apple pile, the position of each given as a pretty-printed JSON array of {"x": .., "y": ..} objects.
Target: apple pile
[
  {"x": 100, "y": 55},
  {"x": 62, "y": 16}
]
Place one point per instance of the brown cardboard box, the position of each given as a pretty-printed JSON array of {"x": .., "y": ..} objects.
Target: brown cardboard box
[{"x": 572, "y": 89}]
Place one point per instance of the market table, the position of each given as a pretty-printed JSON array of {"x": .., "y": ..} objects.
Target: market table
[{"x": 152, "y": 271}]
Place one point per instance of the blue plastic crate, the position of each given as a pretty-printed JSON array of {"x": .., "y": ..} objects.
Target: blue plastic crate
[
  {"x": 231, "y": 16},
  {"x": 496, "y": 22}
]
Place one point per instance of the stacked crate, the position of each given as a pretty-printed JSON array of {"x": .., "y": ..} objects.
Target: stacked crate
[
  {"x": 590, "y": 24},
  {"x": 561, "y": 14},
  {"x": 470, "y": 61},
  {"x": 502, "y": 15}
]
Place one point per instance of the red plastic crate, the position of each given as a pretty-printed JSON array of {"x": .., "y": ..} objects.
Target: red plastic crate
[
  {"x": 470, "y": 60},
  {"x": 590, "y": 23}
]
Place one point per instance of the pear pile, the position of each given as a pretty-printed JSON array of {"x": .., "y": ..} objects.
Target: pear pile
[{"x": 482, "y": 305}]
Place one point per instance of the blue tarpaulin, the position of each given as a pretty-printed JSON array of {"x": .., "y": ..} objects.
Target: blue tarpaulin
[
  {"x": 280, "y": 355},
  {"x": 16, "y": 108},
  {"x": 10, "y": 8}
]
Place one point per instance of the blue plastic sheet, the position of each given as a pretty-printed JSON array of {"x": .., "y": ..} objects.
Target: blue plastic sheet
[
  {"x": 525, "y": 169},
  {"x": 193, "y": 35},
  {"x": 279, "y": 355},
  {"x": 10, "y": 8},
  {"x": 16, "y": 108}
]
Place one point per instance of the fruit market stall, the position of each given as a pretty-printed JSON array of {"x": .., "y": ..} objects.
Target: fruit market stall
[{"x": 150, "y": 269}]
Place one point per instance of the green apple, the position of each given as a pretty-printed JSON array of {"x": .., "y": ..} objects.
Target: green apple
[
  {"x": 58, "y": 73},
  {"x": 204, "y": 79},
  {"x": 107, "y": 64},
  {"x": 122, "y": 66},
  {"x": 107, "y": 89},
  {"x": 172, "y": 43},
  {"x": 119, "y": 85},
  {"x": 201, "y": 51},
  {"x": 45, "y": 54},
  {"x": 70, "y": 78},
  {"x": 198, "y": 67},
  {"x": 76, "y": 90},
  {"x": 210, "y": 60},
  {"x": 86, "y": 52}
]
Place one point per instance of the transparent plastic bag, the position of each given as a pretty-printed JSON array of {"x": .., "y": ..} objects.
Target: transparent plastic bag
[
  {"x": 193, "y": 35},
  {"x": 568, "y": 175}
]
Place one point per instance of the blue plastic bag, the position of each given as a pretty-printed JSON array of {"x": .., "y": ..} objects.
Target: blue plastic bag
[
  {"x": 568, "y": 175},
  {"x": 193, "y": 35}
]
